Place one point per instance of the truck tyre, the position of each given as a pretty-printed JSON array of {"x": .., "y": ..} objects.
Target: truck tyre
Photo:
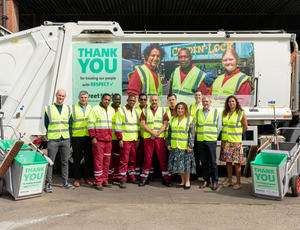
[{"x": 295, "y": 185}]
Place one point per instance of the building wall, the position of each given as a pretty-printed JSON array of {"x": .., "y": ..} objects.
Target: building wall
[{"x": 12, "y": 12}]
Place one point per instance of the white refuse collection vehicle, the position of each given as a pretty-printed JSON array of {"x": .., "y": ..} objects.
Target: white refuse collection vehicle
[{"x": 97, "y": 57}]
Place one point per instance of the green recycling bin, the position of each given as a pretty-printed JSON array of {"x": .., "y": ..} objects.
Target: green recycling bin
[
  {"x": 269, "y": 175},
  {"x": 26, "y": 176},
  {"x": 6, "y": 145}
]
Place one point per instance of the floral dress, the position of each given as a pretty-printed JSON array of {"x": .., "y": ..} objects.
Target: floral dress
[{"x": 181, "y": 161}]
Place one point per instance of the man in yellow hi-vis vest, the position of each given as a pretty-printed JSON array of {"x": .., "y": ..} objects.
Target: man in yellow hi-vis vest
[
  {"x": 57, "y": 122},
  {"x": 209, "y": 124},
  {"x": 146, "y": 78},
  {"x": 81, "y": 141},
  {"x": 187, "y": 78}
]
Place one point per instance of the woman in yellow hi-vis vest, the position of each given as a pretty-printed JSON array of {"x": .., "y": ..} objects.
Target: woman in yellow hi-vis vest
[
  {"x": 233, "y": 81},
  {"x": 180, "y": 142},
  {"x": 234, "y": 125}
]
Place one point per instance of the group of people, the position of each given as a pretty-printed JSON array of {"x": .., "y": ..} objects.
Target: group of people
[
  {"x": 187, "y": 78},
  {"x": 121, "y": 140}
]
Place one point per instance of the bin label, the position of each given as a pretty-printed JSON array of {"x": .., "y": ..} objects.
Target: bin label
[
  {"x": 265, "y": 180},
  {"x": 32, "y": 179}
]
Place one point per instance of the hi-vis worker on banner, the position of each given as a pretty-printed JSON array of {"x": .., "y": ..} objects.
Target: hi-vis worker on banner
[
  {"x": 58, "y": 122},
  {"x": 187, "y": 78},
  {"x": 100, "y": 130},
  {"x": 81, "y": 141},
  {"x": 127, "y": 132},
  {"x": 146, "y": 78}
]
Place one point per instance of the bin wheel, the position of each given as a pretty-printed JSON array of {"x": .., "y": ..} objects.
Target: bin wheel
[
  {"x": 295, "y": 185},
  {"x": 1, "y": 186}
]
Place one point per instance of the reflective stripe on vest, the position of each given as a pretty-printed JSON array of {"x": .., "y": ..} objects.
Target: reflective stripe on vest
[
  {"x": 190, "y": 84},
  {"x": 80, "y": 120},
  {"x": 127, "y": 122},
  {"x": 113, "y": 124},
  {"x": 207, "y": 128},
  {"x": 232, "y": 127},
  {"x": 231, "y": 86},
  {"x": 154, "y": 122},
  {"x": 58, "y": 122},
  {"x": 148, "y": 82},
  {"x": 179, "y": 132},
  {"x": 100, "y": 118}
]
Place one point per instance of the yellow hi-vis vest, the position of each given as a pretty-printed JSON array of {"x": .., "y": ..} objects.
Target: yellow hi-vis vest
[
  {"x": 113, "y": 126},
  {"x": 168, "y": 111},
  {"x": 80, "y": 120},
  {"x": 139, "y": 111},
  {"x": 231, "y": 86},
  {"x": 154, "y": 122},
  {"x": 180, "y": 132},
  {"x": 193, "y": 110},
  {"x": 127, "y": 122},
  {"x": 100, "y": 118},
  {"x": 207, "y": 128},
  {"x": 58, "y": 122},
  {"x": 190, "y": 84},
  {"x": 147, "y": 80},
  {"x": 232, "y": 127}
]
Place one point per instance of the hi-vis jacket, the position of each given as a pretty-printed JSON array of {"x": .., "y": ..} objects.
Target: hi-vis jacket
[
  {"x": 232, "y": 127},
  {"x": 180, "y": 132},
  {"x": 207, "y": 128},
  {"x": 80, "y": 120}
]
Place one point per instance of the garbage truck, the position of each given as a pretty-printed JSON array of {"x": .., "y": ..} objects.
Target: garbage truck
[{"x": 99, "y": 56}]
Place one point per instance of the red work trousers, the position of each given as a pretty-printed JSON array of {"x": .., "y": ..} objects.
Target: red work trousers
[
  {"x": 127, "y": 160},
  {"x": 114, "y": 161},
  {"x": 159, "y": 146},
  {"x": 101, "y": 161}
]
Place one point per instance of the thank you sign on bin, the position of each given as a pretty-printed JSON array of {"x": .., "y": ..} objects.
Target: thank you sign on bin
[
  {"x": 265, "y": 180},
  {"x": 32, "y": 179}
]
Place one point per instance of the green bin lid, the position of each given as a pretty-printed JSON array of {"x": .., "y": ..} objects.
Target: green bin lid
[
  {"x": 269, "y": 159},
  {"x": 7, "y": 144},
  {"x": 30, "y": 158}
]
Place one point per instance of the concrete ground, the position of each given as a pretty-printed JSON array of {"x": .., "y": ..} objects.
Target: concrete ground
[{"x": 151, "y": 207}]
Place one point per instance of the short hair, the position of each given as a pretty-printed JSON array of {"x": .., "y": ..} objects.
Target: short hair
[
  {"x": 186, "y": 112},
  {"x": 105, "y": 94},
  {"x": 83, "y": 92},
  {"x": 142, "y": 94},
  {"x": 149, "y": 48},
  {"x": 60, "y": 90},
  {"x": 115, "y": 95},
  {"x": 154, "y": 95},
  {"x": 187, "y": 50},
  {"x": 206, "y": 96},
  {"x": 171, "y": 95},
  {"x": 131, "y": 96},
  {"x": 233, "y": 52},
  {"x": 198, "y": 91}
]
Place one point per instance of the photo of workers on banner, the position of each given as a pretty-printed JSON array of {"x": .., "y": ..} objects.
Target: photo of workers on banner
[{"x": 218, "y": 69}]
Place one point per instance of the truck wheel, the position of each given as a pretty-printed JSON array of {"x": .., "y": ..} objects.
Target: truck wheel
[{"x": 295, "y": 185}]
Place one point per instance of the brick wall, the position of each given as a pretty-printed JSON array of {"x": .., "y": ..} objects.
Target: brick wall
[{"x": 12, "y": 12}]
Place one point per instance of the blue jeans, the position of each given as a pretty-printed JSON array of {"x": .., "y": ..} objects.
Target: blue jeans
[{"x": 207, "y": 151}]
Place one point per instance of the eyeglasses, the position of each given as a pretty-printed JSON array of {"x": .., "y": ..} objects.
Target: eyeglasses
[{"x": 143, "y": 99}]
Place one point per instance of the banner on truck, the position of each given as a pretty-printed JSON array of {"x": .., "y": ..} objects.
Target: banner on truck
[{"x": 97, "y": 69}]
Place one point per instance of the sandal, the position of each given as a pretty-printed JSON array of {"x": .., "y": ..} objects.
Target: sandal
[
  {"x": 227, "y": 184},
  {"x": 237, "y": 186}
]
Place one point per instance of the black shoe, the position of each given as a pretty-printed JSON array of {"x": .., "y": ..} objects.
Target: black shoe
[
  {"x": 214, "y": 186},
  {"x": 180, "y": 186},
  {"x": 186, "y": 187},
  {"x": 134, "y": 181},
  {"x": 142, "y": 183},
  {"x": 99, "y": 187},
  {"x": 122, "y": 184},
  {"x": 167, "y": 183},
  {"x": 107, "y": 185}
]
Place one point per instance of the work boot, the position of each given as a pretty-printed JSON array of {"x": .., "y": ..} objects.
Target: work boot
[
  {"x": 48, "y": 188},
  {"x": 134, "y": 181},
  {"x": 142, "y": 183},
  {"x": 107, "y": 185},
  {"x": 123, "y": 184},
  {"x": 167, "y": 183},
  {"x": 68, "y": 186},
  {"x": 99, "y": 187}
]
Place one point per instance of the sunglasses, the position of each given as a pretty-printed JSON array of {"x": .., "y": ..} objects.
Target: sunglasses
[{"x": 143, "y": 99}]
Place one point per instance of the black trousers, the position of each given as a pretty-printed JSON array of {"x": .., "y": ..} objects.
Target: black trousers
[
  {"x": 207, "y": 151},
  {"x": 82, "y": 147}
]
